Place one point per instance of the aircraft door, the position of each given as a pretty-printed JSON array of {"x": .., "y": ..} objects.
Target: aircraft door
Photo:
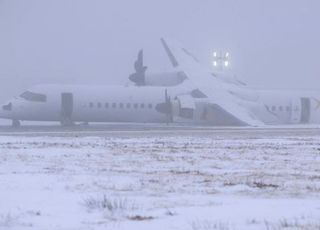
[
  {"x": 305, "y": 110},
  {"x": 66, "y": 108},
  {"x": 295, "y": 111}
]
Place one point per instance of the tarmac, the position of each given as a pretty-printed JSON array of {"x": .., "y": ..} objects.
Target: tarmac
[{"x": 143, "y": 130}]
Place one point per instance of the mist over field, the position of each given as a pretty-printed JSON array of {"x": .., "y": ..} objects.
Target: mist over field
[
  {"x": 272, "y": 43},
  {"x": 107, "y": 121}
]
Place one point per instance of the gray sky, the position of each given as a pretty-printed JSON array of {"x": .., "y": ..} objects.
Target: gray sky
[{"x": 273, "y": 43}]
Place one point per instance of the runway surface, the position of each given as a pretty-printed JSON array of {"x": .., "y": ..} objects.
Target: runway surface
[{"x": 131, "y": 129}]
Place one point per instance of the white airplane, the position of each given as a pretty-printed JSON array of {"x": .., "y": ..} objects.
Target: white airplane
[{"x": 189, "y": 94}]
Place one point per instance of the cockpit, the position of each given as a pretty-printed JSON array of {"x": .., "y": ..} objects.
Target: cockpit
[
  {"x": 7, "y": 107},
  {"x": 35, "y": 97}
]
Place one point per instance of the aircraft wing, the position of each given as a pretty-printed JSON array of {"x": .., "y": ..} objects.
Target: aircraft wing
[{"x": 217, "y": 92}]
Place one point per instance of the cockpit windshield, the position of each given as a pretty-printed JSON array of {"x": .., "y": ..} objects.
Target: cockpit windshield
[{"x": 36, "y": 97}]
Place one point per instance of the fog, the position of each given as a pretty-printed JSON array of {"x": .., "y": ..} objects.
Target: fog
[
  {"x": 203, "y": 153},
  {"x": 272, "y": 43}
]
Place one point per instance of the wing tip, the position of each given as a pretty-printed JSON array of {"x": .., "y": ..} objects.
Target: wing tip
[{"x": 169, "y": 53}]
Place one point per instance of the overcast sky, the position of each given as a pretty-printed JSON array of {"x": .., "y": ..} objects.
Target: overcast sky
[{"x": 273, "y": 43}]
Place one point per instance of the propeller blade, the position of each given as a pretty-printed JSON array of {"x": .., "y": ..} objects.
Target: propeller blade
[
  {"x": 169, "y": 115},
  {"x": 139, "y": 76},
  {"x": 166, "y": 107},
  {"x": 138, "y": 65}
]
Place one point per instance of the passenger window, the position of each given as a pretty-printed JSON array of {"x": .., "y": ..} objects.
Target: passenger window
[
  {"x": 114, "y": 105},
  {"x": 91, "y": 105},
  {"x": 288, "y": 108},
  {"x": 150, "y": 106},
  {"x": 135, "y": 105},
  {"x": 280, "y": 108},
  {"x": 121, "y": 105},
  {"x": 106, "y": 105},
  {"x": 273, "y": 108},
  {"x": 128, "y": 105},
  {"x": 142, "y": 106},
  {"x": 99, "y": 105}
]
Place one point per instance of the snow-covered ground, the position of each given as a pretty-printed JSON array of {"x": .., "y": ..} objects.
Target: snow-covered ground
[{"x": 144, "y": 180}]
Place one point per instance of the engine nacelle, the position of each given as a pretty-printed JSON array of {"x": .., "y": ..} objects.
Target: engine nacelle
[
  {"x": 140, "y": 78},
  {"x": 189, "y": 108},
  {"x": 201, "y": 111}
]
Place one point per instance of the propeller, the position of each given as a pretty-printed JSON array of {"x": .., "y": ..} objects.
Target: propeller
[
  {"x": 139, "y": 77},
  {"x": 166, "y": 108}
]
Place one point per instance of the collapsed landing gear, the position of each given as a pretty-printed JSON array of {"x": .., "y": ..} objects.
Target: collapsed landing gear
[{"x": 16, "y": 123}]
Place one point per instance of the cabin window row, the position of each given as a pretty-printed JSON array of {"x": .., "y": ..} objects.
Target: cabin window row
[
  {"x": 279, "y": 108},
  {"x": 120, "y": 105}
]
